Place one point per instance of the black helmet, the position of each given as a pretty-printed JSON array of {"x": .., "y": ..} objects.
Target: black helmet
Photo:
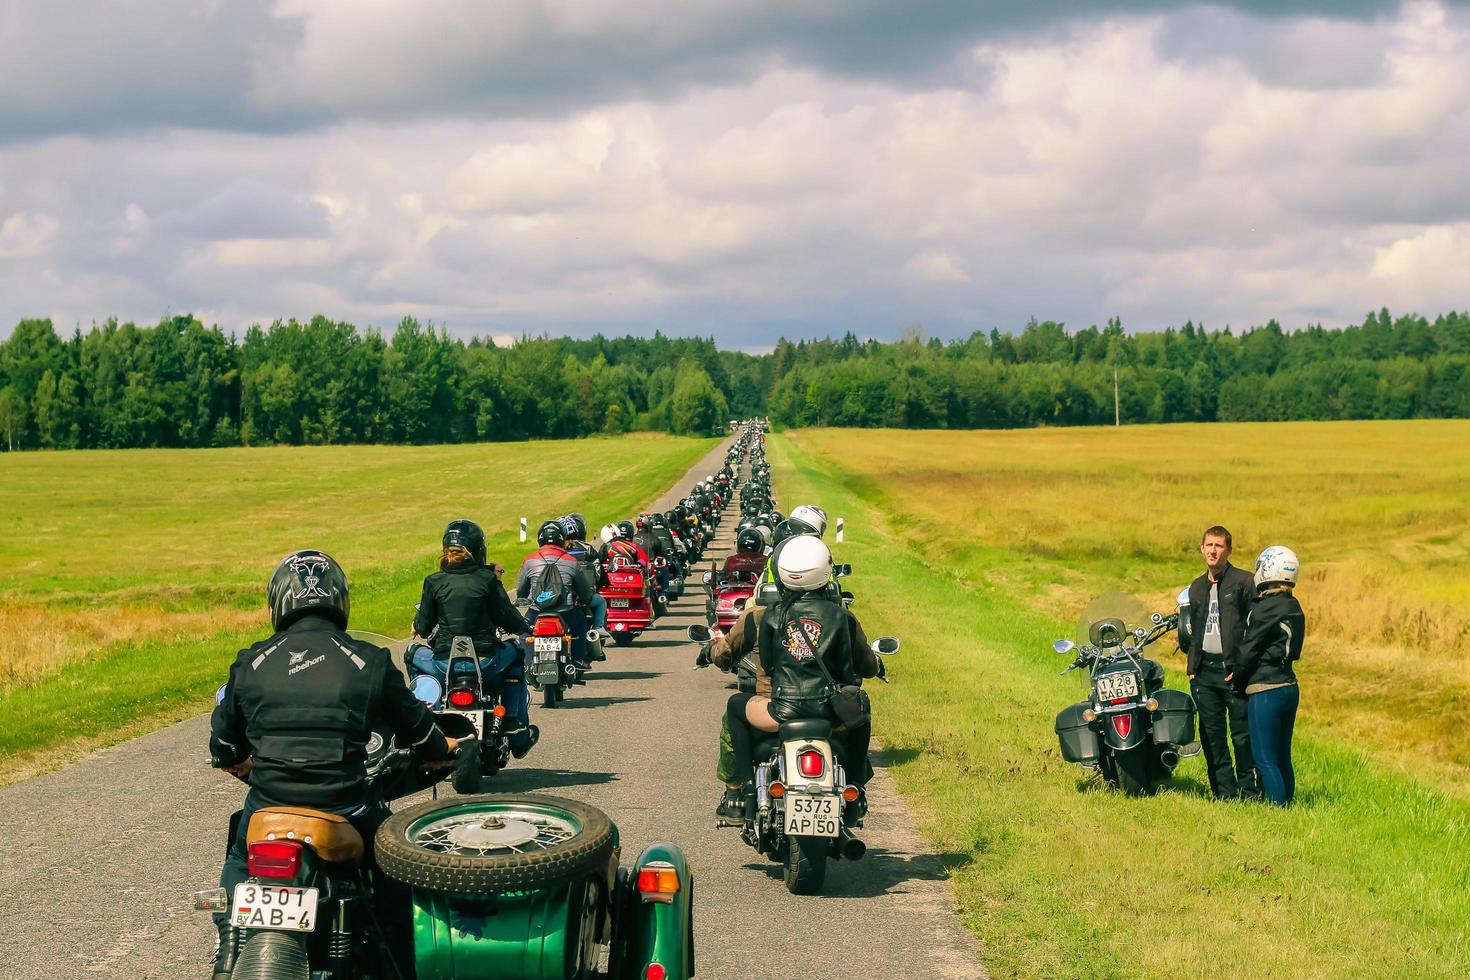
[
  {"x": 467, "y": 535},
  {"x": 627, "y": 528},
  {"x": 656, "y": 519},
  {"x": 579, "y": 524},
  {"x": 308, "y": 582},
  {"x": 551, "y": 533},
  {"x": 749, "y": 539}
]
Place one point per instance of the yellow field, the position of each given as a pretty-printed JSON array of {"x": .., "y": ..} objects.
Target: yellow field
[{"x": 1379, "y": 513}]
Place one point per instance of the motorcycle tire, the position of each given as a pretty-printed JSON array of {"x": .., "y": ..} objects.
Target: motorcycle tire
[
  {"x": 1134, "y": 775},
  {"x": 466, "y": 778},
  {"x": 806, "y": 864},
  {"x": 623, "y": 639},
  {"x": 408, "y": 851},
  {"x": 273, "y": 956},
  {"x": 551, "y": 695}
]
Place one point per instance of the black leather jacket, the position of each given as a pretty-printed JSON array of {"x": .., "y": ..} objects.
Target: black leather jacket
[
  {"x": 1274, "y": 632},
  {"x": 304, "y": 703},
  {"x": 795, "y": 632},
  {"x": 1236, "y": 588},
  {"x": 465, "y": 600}
]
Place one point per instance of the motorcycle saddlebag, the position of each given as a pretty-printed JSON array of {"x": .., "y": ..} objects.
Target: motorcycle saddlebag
[
  {"x": 1174, "y": 721},
  {"x": 1079, "y": 742}
]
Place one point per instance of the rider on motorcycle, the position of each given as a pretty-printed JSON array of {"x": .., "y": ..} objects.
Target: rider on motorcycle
[
  {"x": 466, "y": 598},
  {"x": 749, "y": 559},
  {"x": 294, "y": 718},
  {"x": 578, "y": 589}
]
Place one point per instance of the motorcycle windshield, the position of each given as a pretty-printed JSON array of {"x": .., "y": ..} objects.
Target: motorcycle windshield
[{"x": 1107, "y": 620}]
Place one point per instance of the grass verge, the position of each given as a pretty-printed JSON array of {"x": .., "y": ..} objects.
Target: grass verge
[{"x": 1364, "y": 877}]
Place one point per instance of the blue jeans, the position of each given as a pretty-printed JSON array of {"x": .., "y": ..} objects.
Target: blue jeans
[
  {"x": 502, "y": 669},
  {"x": 1272, "y": 716}
]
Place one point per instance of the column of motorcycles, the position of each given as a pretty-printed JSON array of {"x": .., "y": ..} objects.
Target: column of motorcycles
[{"x": 806, "y": 807}]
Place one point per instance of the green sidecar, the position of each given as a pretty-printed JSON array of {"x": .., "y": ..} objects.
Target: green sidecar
[{"x": 530, "y": 887}]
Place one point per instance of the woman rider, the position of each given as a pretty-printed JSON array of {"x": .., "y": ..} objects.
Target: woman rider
[
  {"x": 465, "y": 598},
  {"x": 808, "y": 623}
]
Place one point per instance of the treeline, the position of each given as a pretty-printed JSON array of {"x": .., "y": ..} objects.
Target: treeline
[
  {"x": 1384, "y": 368},
  {"x": 181, "y": 383}
]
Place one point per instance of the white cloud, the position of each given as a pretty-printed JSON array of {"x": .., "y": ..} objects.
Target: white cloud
[{"x": 26, "y": 234}]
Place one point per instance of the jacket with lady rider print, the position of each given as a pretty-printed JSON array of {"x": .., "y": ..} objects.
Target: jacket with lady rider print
[{"x": 797, "y": 631}]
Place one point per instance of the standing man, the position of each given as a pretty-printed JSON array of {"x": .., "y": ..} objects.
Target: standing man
[{"x": 1219, "y": 601}]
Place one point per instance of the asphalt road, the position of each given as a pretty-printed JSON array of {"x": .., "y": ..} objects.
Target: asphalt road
[{"x": 96, "y": 860}]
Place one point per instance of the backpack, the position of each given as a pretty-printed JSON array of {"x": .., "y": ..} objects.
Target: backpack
[{"x": 549, "y": 589}]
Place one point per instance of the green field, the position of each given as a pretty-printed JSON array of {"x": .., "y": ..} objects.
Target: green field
[
  {"x": 128, "y": 579},
  {"x": 980, "y": 548}
]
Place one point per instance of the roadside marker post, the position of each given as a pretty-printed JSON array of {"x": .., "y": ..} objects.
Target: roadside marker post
[
  {"x": 523, "y": 530},
  {"x": 839, "y": 530}
]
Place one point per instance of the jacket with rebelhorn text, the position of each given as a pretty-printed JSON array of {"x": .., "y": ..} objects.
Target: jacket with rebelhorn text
[{"x": 304, "y": 703}]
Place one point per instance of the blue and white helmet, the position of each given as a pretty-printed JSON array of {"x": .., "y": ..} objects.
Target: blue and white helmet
[{"x": 1276, "y": 565}]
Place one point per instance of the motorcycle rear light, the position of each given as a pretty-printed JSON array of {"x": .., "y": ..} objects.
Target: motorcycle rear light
[
  {"x": 274, "y": 859},
  {"x": 1152, "y": 704},
  {"x": 654, "y": 971},
  {"x": 850, "y": 794},
  {"x": 547, "y": 626},
  {"x": 461, "y": 697},
  {"x": 658, "y": 881},
  {"x": 811, "y": 764},
  {"x": 1123, "y": 724},
  {"x": 777, "y": 789},
  {"x": 1089, "y": 715},
  {"x": 499, "y": 711}
]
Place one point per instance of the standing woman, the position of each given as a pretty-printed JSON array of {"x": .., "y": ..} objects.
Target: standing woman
[{"x": 1274, "y": 630}]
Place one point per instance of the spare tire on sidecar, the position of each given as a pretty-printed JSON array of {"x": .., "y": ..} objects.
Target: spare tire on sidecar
[{"x": 528, "y": 886}]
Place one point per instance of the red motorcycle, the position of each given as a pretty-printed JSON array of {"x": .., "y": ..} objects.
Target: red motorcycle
[
  {"x": 629, "y": 600},
  {"x": 730, "y": 592}
]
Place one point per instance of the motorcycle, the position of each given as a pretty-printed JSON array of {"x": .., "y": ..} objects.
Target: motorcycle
[
  {"x": 629, "y": 601},
  {"x": 548, "y": 650},
  {"x": 728, "y": 596},
  {"x": 1131, "y": 729},
  {"x": 477, "y": 696},
  {"x": 805, "y": 809},
  {"x": 481, "y": 877}
]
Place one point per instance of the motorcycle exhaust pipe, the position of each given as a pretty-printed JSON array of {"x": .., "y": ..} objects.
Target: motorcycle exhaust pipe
[
  {"x": 1169, "y": 757},
  {"x": 849, "y": 846}
]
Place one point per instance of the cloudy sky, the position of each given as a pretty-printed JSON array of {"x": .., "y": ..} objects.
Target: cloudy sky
[{"x": 742, "y": 168}]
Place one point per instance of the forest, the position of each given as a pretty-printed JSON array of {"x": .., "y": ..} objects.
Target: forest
[{"x": 180, "y": 383}]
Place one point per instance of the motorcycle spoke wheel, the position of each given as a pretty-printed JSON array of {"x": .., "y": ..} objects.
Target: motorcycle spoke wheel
[{"x": 508, "y": 831}]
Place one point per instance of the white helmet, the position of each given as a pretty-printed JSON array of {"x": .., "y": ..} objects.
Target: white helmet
[
  {"x": 813, "y": 517},
  {"x": 805, "y": 563},
  {"x": 1276, "y": 564},
  {"x": 609, "y": 533}
]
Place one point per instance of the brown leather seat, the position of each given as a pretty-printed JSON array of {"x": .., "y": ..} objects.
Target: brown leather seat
[{"x": 328, "y": 834}]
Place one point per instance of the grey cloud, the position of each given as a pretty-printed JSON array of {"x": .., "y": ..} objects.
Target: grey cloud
[
  {"x": 251, "y": 210},
  {"x": 99, "y": 66}
]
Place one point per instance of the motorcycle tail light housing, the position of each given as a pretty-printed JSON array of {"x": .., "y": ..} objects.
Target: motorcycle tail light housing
[
  {"x": 811, "y": 764},
  {"x": 462, "y": 697},
  {"x": 548, "y": 626},
  {"x": 658, "y": 881},
  {"x": 655, "y": 971},
  {"x": 499, "y": 711},
  {"x": 274, "y": 859}
]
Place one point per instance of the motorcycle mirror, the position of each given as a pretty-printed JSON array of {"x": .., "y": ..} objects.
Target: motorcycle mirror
[
  {"x": 885, "y": 646},
  {"x": 1064, "y": 646},
  {"x": 700, "y": 634},
  {"x": 1182, "y": 600},
  {"x": 847, "y": 597},
  {"x": 707, "y": 577},
  {"x": 842, "y": 571},
  {"x": 219, "y": 695},
  {"x": 427, "y": 689}
]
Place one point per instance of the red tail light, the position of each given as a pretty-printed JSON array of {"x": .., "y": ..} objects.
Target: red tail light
[
  {"x": 462, "y": 697},
  {"x": 654, "y": 971},
  {"x": 1123, "y": 724},
  {"x": 548, "y": 626},
  {"x": 658, "y": 881},
  {"x": 811, "y": 764},
  {"x": 274, "y": 859}
]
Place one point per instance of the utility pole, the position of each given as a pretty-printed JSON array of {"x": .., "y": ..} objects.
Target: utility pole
[{"x": 1117, "y": 418}]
